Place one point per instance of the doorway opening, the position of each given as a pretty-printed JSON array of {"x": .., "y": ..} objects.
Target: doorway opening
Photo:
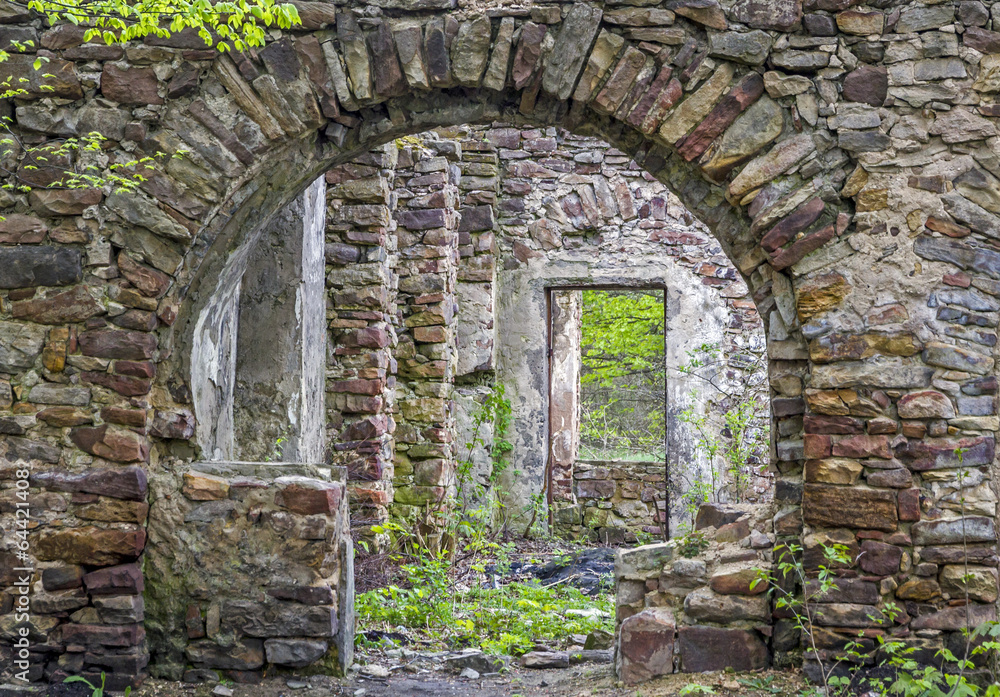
[{"x": 608, "y": 410}]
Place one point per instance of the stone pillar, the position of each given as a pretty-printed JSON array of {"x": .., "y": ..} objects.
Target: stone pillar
[
  {"x": 282, "y": 534},
  {"x": 475, "y": 295},
  {"x": 475, "y": 291},
  {"x": 360, "y": 252},
  {"x": 428, "y": 248},
  {"x": 566, "y": 307},
  {"x": 278, "y": 394}
]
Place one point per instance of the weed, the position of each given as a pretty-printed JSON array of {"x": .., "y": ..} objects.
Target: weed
[
  {"x": 96, "y": 691},
  {"x": 506, "y": 620},
  {"x": 762, "y": 684},
  {"x": 692, "y": 544},
  {"x": 739, "y": 439}
]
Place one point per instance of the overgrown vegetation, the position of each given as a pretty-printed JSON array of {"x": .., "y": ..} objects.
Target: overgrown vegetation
[
  {"x": 454, "y": 595},
  {"x": 508, "y": 619},
  {"x": 482, "y": 502},
  {"x": 906, "y": 670},
  {"x": 623, "y": 375},
  {"x": 732, "y": 434}
]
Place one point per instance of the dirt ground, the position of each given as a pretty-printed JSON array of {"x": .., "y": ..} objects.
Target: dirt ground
[{"x": 582, "y": 681}]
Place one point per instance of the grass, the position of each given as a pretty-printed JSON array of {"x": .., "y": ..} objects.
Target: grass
[{"x": 508, "y": 620}]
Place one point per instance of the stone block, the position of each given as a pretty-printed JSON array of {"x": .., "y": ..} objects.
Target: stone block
[
  {"x": 854, "y": 507},
  {"x": 705, "y": 649},
  {"x": 309, "y": 496},
  {"x": 89, "y": 546},
  {"x": 737, "y": 582},
  {"x": 703, "y": 605},
  {"x": 125, "y": 483},
  {"x": 246, "y": 654},
  {"x": 646, "y": 646},
  {"x": 969, "y": 529},
  {"x": 29, "y": 266},
  {"x": 76, "y": 305},
  {"x": 294, "y": 653},
  {"x": 715, "y": 515},
  {"x": 269, "y": 620},
  {"x": 879, "y": 558},
  {"x": 204, "y": 487},
  {"x": 643, "y": 562},
  {"x": 117, "y": 580}
]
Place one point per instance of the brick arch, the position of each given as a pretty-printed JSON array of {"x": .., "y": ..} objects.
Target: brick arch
[{"x": 629, "y": 105}]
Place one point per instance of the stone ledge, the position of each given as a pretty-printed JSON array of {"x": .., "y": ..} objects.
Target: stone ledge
[{"x": 269, "y": 470}]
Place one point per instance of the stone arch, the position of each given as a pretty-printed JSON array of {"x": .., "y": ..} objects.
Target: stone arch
[{"x": 816, "y": 223}]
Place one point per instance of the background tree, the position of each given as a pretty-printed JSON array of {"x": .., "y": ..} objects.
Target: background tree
[{"x": 623, "y": 375}]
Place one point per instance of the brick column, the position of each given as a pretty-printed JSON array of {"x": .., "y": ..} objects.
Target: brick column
[
  {"x": 360, "y": 368},
  {"x": 428, "y": 263}
]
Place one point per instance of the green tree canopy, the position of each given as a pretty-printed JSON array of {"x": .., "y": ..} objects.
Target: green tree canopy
[
  {"x": 622, "y": 335},
  {"x": 228, "y": 25},
  {"x": 623, "y": 374}
]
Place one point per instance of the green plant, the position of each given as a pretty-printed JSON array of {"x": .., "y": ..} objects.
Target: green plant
[
  {"x": 490, "y": 427},
  {"x": 277, "y": 453},
  {"x": 695, "y": 689},
  {"x": 504, "y": 620},
  {"x": 691, "y": 544},
  {"x": 96, "y": 691},
  {"x": 784, "y": 586},
  {"x": 732, "y": 434},
  {"x": 910, "y": 677}
]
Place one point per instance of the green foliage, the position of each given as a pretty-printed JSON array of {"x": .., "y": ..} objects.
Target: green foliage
[
  {"x": 910, "y": 677},
  {"x": 236, "y": 25},
  {"x": 623, "y": 375},
  {"x": 734, "y": 439},
  {"x": 622, "y": 335},
  {"x": 426, "y": 603},
  {"x": 96, "y": 691},
  {"x": 695, "y": 689},
  {"x": 506, "y": 620},
  {"x": 493, "y": 416},
  {"x": 692, "y": 544}
]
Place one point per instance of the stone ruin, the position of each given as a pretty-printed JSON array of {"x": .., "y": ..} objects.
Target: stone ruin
[{"x": 193, "y": 451}]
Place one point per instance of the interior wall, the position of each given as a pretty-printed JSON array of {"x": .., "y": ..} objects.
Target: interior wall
[
  {"x": 281, "y": 337},
  {"x": 259, "y": 367}
]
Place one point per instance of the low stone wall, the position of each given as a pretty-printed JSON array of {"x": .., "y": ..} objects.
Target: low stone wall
[
  {"x": 281, "y": 534},
  {"x": 690, "y": 614},
  {"x": 614, "y": 501}
]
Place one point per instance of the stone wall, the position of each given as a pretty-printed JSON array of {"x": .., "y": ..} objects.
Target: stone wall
[
  {"x": 285, "y": 598},
  {"x": 617, "y": 501},
  {"x": 844, "y": 158},
  {"x": 360, "y": 305},
  {"x": 464, "y": 284},
  {"x": 691, "y": 610}
]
